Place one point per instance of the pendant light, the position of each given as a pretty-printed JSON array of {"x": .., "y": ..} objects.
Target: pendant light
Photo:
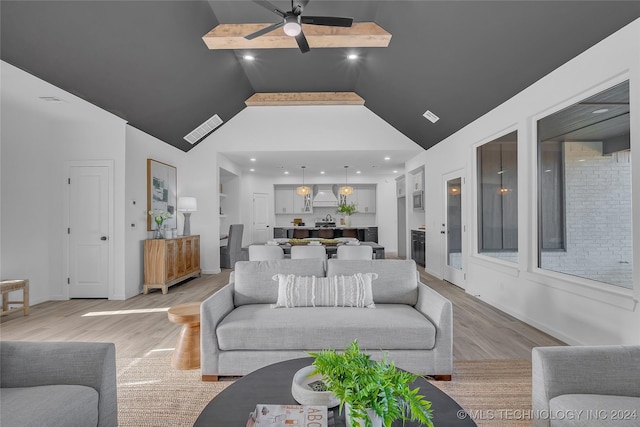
[
  {"x": 346, "y": 190},
  {"x": 303, "y": 190}
]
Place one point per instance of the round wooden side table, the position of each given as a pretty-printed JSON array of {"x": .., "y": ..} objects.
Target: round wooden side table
[{"x": 187, "y": 352}]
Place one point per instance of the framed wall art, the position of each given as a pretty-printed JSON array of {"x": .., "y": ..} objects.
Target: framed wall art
[{"x": 162, "y": 192}]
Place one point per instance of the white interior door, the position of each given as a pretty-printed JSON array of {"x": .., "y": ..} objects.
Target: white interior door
[
  {"x": 454, "y": 229},
  {"x": 261, "y": 229},
  {"x": 89, "y": 239}
]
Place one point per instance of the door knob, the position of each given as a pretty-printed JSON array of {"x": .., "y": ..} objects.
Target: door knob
[{"x": 104, "y": 238}]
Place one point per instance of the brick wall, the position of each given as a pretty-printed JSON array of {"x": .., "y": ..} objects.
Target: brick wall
[{"x": 598, "y": 216}]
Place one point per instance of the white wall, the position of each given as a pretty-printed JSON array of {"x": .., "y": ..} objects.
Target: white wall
[
  {"x": 575, "y": 310},
  {"x": 140, "y": 147},
  {"x": 36, "y": 148}
]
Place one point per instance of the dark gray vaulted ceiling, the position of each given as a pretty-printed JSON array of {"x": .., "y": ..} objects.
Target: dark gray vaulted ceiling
[{"x": 145, "y": 61}]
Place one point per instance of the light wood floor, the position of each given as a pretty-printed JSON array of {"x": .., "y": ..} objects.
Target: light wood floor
[{"x": 139, "y": 325}]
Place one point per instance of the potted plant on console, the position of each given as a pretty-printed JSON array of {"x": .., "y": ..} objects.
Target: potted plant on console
[
  {"x": 374, "y": 393},
  {"x": 347, "y": 209}
]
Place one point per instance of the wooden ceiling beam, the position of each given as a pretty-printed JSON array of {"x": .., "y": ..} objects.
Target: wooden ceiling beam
[
  {"x": 360, "y": 34},
  {"x": 304, "y": 98}
]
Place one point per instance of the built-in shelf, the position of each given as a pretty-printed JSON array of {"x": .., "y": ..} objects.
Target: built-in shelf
[
  {"x": 223, "y": 216},
  {"x": 223, "y": 195}
]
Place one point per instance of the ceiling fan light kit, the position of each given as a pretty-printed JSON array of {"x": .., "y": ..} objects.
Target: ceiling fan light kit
[{"x": 292, "y": 26}]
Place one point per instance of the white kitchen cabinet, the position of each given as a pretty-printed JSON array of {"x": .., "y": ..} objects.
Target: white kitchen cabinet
[
  {"x": 288, "y": 201},
  {"x": 366, "y": 200},
  {"x": 284, "y": 200},
  {"x": 418, "y": 181},
  {"x": 299, "y": 205}
]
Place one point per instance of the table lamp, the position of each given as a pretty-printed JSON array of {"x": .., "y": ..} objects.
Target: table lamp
[{"x": 186, "y": 205}]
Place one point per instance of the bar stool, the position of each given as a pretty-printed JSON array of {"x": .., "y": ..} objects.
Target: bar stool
[
  {"x": 325, "y": 233},
  {"x": 300, "y": 233}
]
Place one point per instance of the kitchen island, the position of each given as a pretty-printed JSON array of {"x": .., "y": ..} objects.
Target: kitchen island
[{"x": 364, "y": 234}]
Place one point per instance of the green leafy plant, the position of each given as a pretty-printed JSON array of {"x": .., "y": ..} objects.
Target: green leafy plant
[
  {"x": 347, "y": 208},
  {"x": 159, "y": 217},
  {"x": 364, "y": 384}
]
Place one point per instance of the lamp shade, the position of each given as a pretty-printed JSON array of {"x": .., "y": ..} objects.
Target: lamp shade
[{"x": 187, "y": 204}]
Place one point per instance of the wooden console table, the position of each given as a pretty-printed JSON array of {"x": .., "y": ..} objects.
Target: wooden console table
[
  {"x": 170, "y": 261},
  {"x": 7, "y": 286}
]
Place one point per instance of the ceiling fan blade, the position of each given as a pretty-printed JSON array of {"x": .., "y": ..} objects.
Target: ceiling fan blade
[
  {"x": 333, "y": 21},
  {"x": 265, "y": 30},
  {"x": 270, "y": 6},
  {"x": 302, "y": 42}
]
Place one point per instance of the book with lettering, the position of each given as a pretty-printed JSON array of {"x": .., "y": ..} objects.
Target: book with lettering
[{"x": 288, "y": 416}]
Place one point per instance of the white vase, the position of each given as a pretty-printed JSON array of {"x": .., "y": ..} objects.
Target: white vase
[
  {"x": 376, "y": 421},
  {"x": 347, "y": 221}
]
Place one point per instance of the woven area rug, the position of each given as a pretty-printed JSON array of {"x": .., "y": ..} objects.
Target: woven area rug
[
  {"x": 153, "y": 394},
  {"x": 493, "y": 392}
]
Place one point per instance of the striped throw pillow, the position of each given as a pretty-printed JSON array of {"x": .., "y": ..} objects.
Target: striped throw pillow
[{"x": 335, "y": 291}]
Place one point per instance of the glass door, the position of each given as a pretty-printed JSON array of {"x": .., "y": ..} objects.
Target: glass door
[{"x": 453, "y": 229}]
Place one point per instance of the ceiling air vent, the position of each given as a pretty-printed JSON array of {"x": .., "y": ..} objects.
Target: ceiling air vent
[
  {"x": 203, "y": 130},
  {"x": 431, "y": 117}
]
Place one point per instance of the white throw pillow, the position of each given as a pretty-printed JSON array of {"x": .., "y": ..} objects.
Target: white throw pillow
[{"x": 335, "y": 291}]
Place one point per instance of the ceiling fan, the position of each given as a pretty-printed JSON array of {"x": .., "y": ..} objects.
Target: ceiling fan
[{"x": 292, "y": 22}]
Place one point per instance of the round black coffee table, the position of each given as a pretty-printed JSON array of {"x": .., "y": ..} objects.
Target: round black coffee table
[{"x": 272, "y": 384}]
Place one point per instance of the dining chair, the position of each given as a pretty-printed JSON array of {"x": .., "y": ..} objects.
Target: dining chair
[
  {"x": 364, "y": 252},
  {"x": 265, "y": 252},
  {"x": 308, "y": 251},
  {"x": 233, "y": 251}
]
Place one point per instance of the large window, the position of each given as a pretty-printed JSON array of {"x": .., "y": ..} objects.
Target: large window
[
  {"x": 498, "y": 198},
  {"x": 584, "y": 181}
]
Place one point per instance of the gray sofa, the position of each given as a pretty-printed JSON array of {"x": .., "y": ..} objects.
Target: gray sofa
[
  {"x": 57, "y": 384},
  {"x": 241, "y": 332},
  {"x": 586, "y": 386}
]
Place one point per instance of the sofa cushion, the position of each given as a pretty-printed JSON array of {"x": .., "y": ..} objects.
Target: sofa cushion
[
  {"x": 254, "y": 279},
  {"x": 397, "y": 281},
  {"x": 50, "y": 405},
  {"x": 597, "y": 410},
  {"x": 352, "y": 291},
  {"x": 388, "y": 327}
]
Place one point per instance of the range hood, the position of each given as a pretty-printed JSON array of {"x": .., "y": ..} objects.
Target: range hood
[{"x": 325, "y": 197}]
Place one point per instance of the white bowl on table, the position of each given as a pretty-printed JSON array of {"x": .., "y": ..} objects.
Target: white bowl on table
[{"x": 303, "y": 393}]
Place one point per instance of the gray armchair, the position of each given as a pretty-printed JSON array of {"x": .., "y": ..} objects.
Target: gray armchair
[
  {"x": 233, "y": 251},
  {"x": 586, "y": 386},
  {"x": 65, "y": 384}
]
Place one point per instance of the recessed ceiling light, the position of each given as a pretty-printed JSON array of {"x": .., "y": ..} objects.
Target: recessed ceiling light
[
  {"x": 286, "y": 172},
  {"x": 252, "y": 159},
  {"x": 249, "y": 57},
  {"x": 387, "y": 158},
  {"x": 430, "y": 116},
  {"x": 600, "y": 111},
  {"x": 352, "y": 56},
  {"x": 321, "y": 172},
  {"x": 252, "y": 170},
  {"x": 358, "y": 171},
  {"x": 395, "y": 171}
]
